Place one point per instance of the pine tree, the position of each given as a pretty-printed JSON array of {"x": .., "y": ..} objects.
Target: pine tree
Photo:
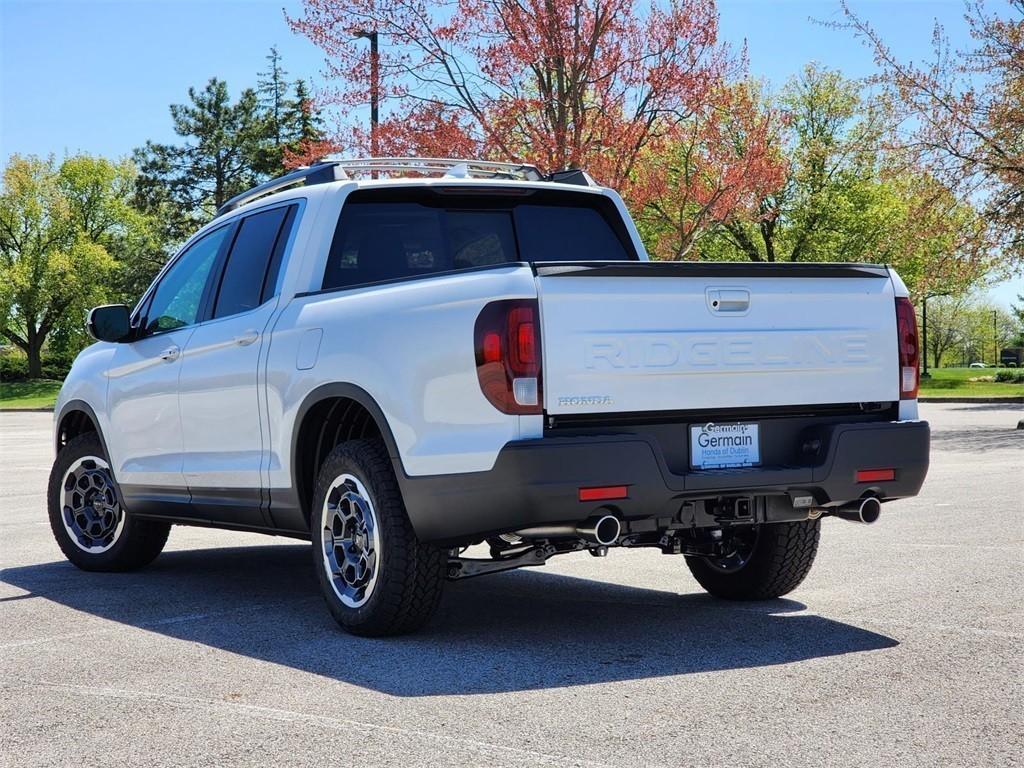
[
  {"x": 302, "y": 121},
  {"x": 223, "y": 153},
  {"x": 272, "y": 88}
]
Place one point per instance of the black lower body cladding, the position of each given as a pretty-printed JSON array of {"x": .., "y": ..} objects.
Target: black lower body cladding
[{"x": 537, "y": 482}]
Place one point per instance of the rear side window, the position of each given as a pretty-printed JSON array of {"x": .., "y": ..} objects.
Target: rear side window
[
  {"x": 392, "y": 234},
  {"x": 250, "y": 272},
  {"x": 568, "y": 233}
]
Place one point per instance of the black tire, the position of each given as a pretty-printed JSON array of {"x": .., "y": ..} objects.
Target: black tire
[
  {"x": 409, "y": 575},
  {"x": 781, "y": 557},
  {"x": 137, "y": 543}
]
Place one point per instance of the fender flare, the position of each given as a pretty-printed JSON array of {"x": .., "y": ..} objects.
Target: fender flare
[
  {"x": 78, "y": 405},
  {"x": 352, "y": 392},
  {"x": 84, "y": 407}
]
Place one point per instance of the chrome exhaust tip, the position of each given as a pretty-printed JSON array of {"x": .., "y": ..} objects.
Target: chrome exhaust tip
[
  {"x": 603, "y": 530},
  {"x": 866, "y": 510}
]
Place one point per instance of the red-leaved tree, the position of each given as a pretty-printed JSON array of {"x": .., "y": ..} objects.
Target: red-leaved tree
[
  {"x": 721, "y": 165},
  {"x": 596, "y": 84}
]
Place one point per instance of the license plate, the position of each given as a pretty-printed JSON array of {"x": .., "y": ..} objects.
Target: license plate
[{"x": 714, "y": 446}]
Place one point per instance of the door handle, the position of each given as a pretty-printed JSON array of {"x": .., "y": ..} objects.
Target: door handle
[
  {"x": 170, "y": 354},
  {"x": 247, "y": 338},
  {"x": 728, "y": 300}
]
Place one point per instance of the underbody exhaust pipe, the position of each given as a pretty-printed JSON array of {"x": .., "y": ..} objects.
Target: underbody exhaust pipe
[
  {"x": 603, "y": 530},
  {"x": 600, "y": 529},
  {"x": 866, "y": 510}
]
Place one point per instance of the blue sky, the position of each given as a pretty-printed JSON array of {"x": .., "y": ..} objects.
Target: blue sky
[{"x": 98, "y": 76}]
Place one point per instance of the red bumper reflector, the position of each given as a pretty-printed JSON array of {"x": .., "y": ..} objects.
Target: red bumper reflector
[
  {"x": 604, "y": 493},
  {"x": 875, "y": 475}
]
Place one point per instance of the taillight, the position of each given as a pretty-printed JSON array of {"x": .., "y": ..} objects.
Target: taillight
[
  {"x": 507, "y": 342},
  {"x": 910, "y": 354}
]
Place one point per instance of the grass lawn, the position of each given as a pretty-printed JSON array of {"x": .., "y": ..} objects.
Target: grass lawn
[
  {"x": 955, "y": 382},
  {"x": 39, "y": 393},
  {"x": 944, "y": 382}
]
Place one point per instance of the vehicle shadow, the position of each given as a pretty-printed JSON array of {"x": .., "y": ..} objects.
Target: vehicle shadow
[{"x": 510, "y": 632}]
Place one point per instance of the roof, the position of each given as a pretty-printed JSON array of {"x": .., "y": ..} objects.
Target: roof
[{"x": 410, "y": 170}]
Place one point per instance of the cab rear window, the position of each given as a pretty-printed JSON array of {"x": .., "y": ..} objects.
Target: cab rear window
[{"x": 402, "y": 233}]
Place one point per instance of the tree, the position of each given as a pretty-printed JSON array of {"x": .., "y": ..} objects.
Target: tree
[
  {"x": 720, "y": 167},
  {"x": 59, "y": 228},
  {"x": 985, "y": 330},
  {"x": 831, "y": 139},
  {"x": 272, "y": 88},
  {"x": 223, "y": 154},
  {"x": 845, "y": 198},
  {"x": 1017, "y": 312},
  {"x": 946, "y": 324},
  {"x": 306, "y": 140},
  {"x": 962, "y": 114},
  {"x": 293, "y": 126},
  {"x": 578, "y": 83}
]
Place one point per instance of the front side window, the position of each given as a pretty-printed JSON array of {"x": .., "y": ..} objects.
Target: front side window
[{"x": 177, "y": 299}]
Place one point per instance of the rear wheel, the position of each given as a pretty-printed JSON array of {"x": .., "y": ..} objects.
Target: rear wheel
[
  {"x": 765, "y": 561},
  {"x": 91, "y": 527},
  {"x": 375, "y": 576}
]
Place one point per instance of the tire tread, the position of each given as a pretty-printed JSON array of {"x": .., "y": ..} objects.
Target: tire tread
[
  {"x": 141, "y": 540},
  {"x": 407, "y": 595},
  {"x": 782, "y": 559}
]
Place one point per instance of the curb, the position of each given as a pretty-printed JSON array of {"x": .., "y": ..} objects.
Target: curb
[
  {"x": 971, "y": 399},
  {"x": 26, "y": 410}
]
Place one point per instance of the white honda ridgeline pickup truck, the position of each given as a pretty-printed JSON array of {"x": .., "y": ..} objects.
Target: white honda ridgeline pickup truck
[{"x": 400, "y": 368}]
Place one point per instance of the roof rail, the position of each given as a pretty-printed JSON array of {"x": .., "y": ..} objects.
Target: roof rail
[
  {"x": 318, "y": 173},
  {"x": 445, "y": 166},
  {"x": 337, "y": 169}
]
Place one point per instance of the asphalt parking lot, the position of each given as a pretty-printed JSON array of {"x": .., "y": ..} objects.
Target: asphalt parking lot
[{"x": 905, "y": 646}]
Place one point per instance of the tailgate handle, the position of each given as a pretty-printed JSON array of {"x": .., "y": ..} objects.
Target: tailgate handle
[{"x": 728, "y": 301}]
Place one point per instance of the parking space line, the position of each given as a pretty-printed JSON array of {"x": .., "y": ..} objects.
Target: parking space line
[
  {"x": 344, "y": 725},
  {"x": 144, "y": 625}
]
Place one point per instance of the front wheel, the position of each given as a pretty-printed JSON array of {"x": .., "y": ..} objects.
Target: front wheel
[
  {"x": 91, "y": 527},
  {"x": 767, "y": 561},
  {"x": 375, "y": 576}
]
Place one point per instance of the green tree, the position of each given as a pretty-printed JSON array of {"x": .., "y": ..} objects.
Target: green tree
[
  {"x": 272, "y": 89},
  {"x": 845, "y": 198},
  {"x": 825, "y": 204},
  {"x": 947, "y": 317},
  {"x": 1017, "y": 311},
  {"x": 985, "y": 330},
  {"x": 303, "y": 122},
  {"x": 223, "y": 153},
  {"x": 61, "y": 228}
]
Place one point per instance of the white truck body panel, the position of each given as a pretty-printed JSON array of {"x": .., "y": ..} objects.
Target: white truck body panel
[
  {"x": 632, "y": 344},
  {"x": 621, "y": 344},
  {"x": 383, "y": 339}
]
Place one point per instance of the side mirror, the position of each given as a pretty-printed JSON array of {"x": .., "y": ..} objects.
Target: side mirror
[{"x": 111, "y": 322}]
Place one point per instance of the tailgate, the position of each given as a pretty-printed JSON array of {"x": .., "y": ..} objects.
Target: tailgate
[{"x": 649, "y": 336}]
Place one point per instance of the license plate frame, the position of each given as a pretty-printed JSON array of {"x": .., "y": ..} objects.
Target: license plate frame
[{"x": 725, "y": 446}]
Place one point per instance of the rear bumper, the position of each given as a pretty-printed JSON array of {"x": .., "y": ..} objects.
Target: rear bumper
[{"x": 536, "y": 482}]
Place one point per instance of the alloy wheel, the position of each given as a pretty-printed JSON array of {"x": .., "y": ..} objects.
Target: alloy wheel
[
  {"x": 350, "y": 541},
  {"x": 91, "y": 513}
]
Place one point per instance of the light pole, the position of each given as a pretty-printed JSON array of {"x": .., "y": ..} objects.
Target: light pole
[
  {"x": 371, "y": 35},
  {"x": 995, "y": 339}
]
